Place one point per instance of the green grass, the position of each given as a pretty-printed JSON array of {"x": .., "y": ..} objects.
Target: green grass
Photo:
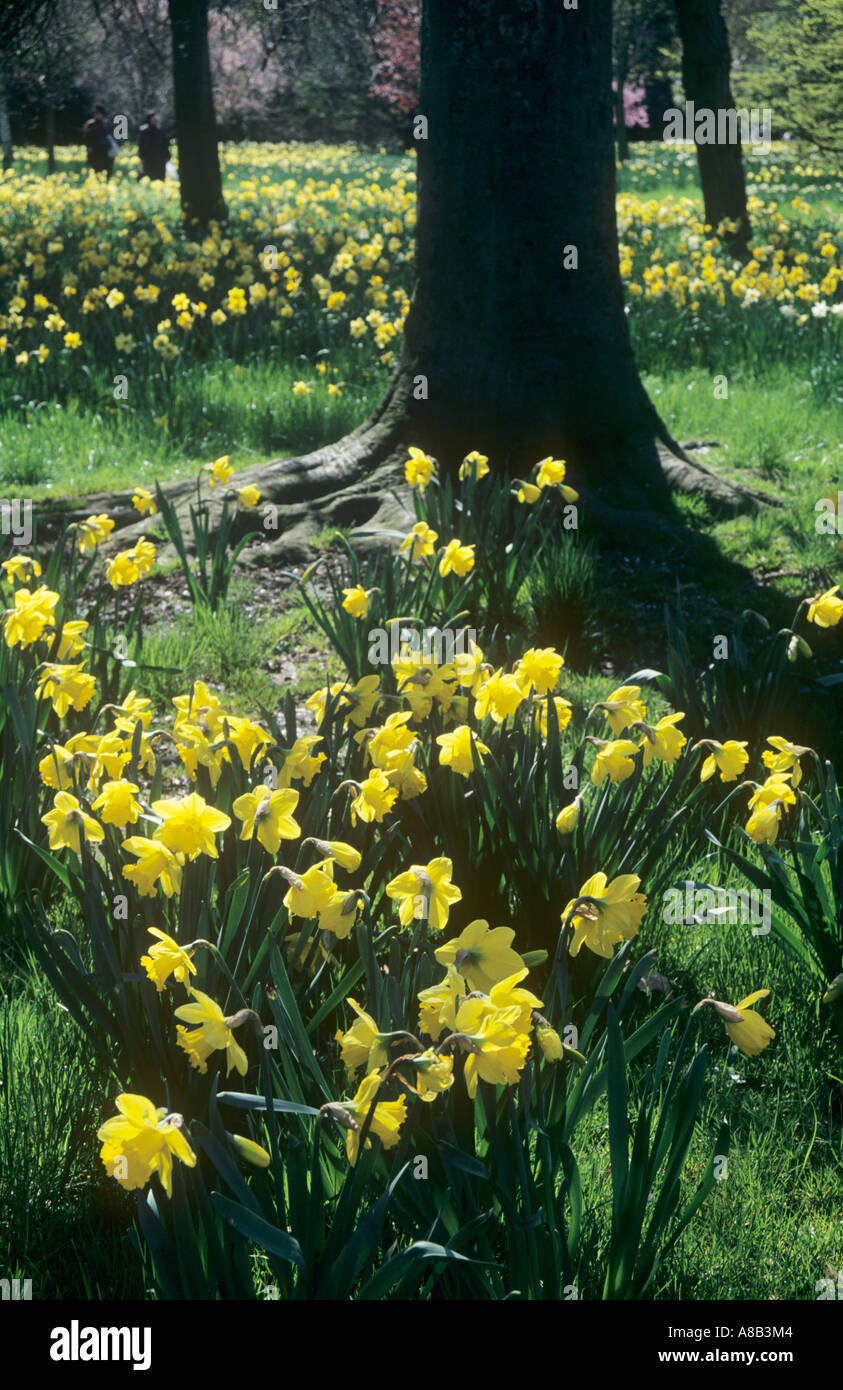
[
  {"x": 62, "y": 1223},
  {"x": 247, "y": 411},
  {"x": 238, "y": 650}
]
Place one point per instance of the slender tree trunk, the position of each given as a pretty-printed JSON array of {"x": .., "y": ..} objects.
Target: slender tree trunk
[
  {"x": 195, "y": 121},
  {"x": 706, "y": 63},
  {"x": 5, "y": 124},
  {"x": 50, "y": 135}
]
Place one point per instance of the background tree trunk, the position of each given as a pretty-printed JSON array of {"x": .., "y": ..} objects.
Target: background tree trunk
[
  {"x": 706, "y": 64},
  {"x": 200, "y": 179},
  {"x": 5, "y": 124}
]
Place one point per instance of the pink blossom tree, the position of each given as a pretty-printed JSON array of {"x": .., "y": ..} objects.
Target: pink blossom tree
[{"x": 396, "y": 56}]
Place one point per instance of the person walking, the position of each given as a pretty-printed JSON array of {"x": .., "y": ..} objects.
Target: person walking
[
  {"x": 99, "y": 141},
  {"x": 153, "y": 148}
]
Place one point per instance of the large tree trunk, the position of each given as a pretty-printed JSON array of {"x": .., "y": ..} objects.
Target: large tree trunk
[
  {"x": 706, "y": 64},
  {"x": 5, "y": 124},
  {"x": 518, "y": 321},
  {"x": 200, "y": 180}
]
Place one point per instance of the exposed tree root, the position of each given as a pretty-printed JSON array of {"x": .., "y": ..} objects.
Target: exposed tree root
[{"x": 357, "y": 484}]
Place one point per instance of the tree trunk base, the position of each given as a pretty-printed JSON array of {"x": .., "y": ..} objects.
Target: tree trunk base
[{"x": 358, "y": 485}]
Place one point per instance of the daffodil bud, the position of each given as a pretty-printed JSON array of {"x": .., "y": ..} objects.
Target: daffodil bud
[
  {"x": 567, "y": 819},
  {"x": 251, "y": 1152},
  {"x": 550, "y": 1042}
]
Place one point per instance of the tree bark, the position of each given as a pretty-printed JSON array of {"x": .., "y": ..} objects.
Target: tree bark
[
  {"x": 5, "y": 124},
  {"x": 517, "y": 323},
  {"x": 200, "y": 179},
  {"x": 706, "y": 64}
]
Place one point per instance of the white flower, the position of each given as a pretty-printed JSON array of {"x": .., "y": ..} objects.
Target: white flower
[
  {"x": 820, "y": 310},
  {"x": 751, "y": 297},
  {"x": 788, "y": 311}
]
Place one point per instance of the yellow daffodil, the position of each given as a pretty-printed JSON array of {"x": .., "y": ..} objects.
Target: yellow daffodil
[
  {"x": 362, "y": 1045},
  {"x": 623, "y": 708},
  {"x": 499, "y": 1048},
  {"x": 189, "y": 825},
  {"x": 747, "y": 1029},
  {"x": 434, "y": 1074},
  {"x": 301, "y": 763},
  {"x": 784, "y": 757},
  {"x": 156, "y": 864},
  {"x": 117, "y": 805},
  {"x": 529, "y": 493},
  {"x": 69, "y": 687},
  {"x": 267, "y": 813},
  {"x": 482, "y": 955},
  {"x": 419, "y": 469},
  {"x": 498, "y": 695},
  {"x": 310, "y": 892},
  {"x": 93, "y": 531},
  {"x": 420, "y": 541},
  {"x": 728, "y": 758},
  {"x": 663, "y": 741},
  {"x": 614, "y": 915},
  {"x": 144, "y": 502},
  {"x": 613, "y": 759},
  {"x": 122, "y": 570},
  {"x": 375, "y": 798},
  {"x": 71, "y": 642},
  {"x": 32, "y": 613},
  {"x": 387, "y": 1118},
  {"x": 68, "y": 823},
  {"x": 357, "y": 601},
  {"x": 166, "y": 957},
  {"x": 474, "y": 465},
  {"x": 220, "y": 470},
  {"x": 143, "y": 1140},
  {"x": 425, "y": 893},
  {"x": 566, "y": 821},
  {"x": 826, "y": 610},
  {"x": 21, "y": 568},
  {"x": 456, "y": 559},
  {"x": 538, "y": 669},
  {"x": 213, "y": 1034},
  {"x": 439, "y": 1003},
  {"x": 455, "y": 750},
  {"x": 250, "y": 1151}
]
